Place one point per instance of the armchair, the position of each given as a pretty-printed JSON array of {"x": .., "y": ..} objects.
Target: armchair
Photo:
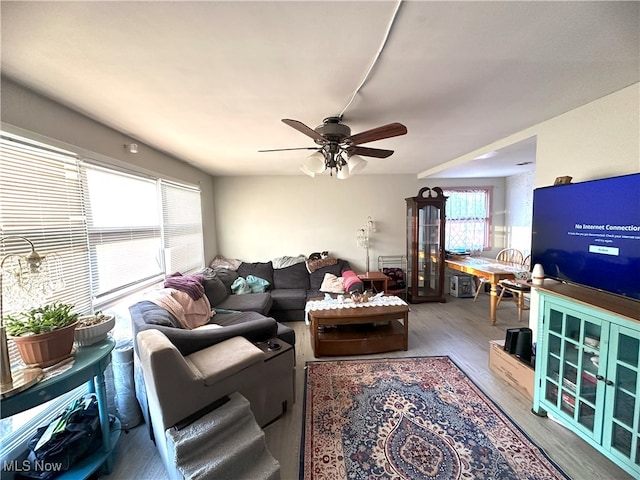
[
  {"x": 252, "y": 326},
  {"x": 184, "y": 386}
]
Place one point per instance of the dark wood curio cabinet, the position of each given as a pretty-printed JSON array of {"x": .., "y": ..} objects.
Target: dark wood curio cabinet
[{"x": 425, "y": 245}]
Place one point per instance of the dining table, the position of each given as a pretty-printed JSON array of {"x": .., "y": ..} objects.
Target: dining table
[{"x": 491, "y": 269}]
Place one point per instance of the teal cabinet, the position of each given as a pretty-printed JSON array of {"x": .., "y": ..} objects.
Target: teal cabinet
[{"x": 588, "y": 369}]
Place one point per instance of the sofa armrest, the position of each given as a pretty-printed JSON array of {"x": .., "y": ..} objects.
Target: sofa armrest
[
  {"x": 183, "y": 385},
  {"x": 224, "y": 359},
  {"x": 189, "y": 341}
]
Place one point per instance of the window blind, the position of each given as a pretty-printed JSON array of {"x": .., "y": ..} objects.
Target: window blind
[
  {"x": 124, "y": 230},
  {"x": 41, "y": 199},
  {"x": 182, "y": 223}
]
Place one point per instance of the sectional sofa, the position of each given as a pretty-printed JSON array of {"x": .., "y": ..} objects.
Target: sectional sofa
[{"x": 255, "y": 316}]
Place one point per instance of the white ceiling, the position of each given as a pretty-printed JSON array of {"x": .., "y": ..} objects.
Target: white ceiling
[{"x": 209, "y": 81}]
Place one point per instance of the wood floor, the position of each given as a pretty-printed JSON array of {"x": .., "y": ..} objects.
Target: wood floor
[{"x": 460, "y": 329}]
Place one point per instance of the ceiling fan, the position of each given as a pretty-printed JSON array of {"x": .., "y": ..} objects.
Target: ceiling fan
[{"x": 337, "y": 149}]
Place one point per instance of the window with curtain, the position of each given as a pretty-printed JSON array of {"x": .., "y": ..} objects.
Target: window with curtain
[{"x": 468, "y": 213}]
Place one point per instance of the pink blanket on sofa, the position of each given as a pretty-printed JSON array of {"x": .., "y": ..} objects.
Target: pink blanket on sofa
[{"x": 189, "y": 312}]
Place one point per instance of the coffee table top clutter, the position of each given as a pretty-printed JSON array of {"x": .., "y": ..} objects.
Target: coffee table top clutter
[{"x": 329, "y": 303}]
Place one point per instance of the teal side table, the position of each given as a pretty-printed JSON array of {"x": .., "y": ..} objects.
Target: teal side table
[{"x": 88, "y": 367}]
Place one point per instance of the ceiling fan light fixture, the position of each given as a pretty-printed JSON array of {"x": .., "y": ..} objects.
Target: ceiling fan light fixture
[
  {"x": 315, "y": 162},
  {"x": 356, "y": 164},
  {"x": 306, "y": 171},
  {"x": 343, "y": 172}
]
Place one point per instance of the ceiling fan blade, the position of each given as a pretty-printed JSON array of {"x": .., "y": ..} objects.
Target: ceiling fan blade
[
  {"x": 370, "y": 152},
  {"x": 302, "y": 128},
  {"x": 385, "y": 131},
  {"x": 285, "y": 149}
]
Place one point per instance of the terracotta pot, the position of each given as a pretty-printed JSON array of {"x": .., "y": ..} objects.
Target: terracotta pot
[{"x": 46, "y": 349}]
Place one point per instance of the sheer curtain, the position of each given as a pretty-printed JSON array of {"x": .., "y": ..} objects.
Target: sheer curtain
[{"x": 468, "y": 223}]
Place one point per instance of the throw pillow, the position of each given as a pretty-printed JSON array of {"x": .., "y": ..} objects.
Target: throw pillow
[
  {"x": 257, "y": 284},
  {"x": 214, "y": 289},
  {"x": 313, "y": 265},
  {"x": 240, "y": 286},
  {"x": 221, "y": 262},
  {"x": 332, "y": 284},
  {"x": 227, "y": 276},
  {"x": 286, "y": 261},
  {"x": 316, "y": 278},
  {"x": 351, "y": 282}
]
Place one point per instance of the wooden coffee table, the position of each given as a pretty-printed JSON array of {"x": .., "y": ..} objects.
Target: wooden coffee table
[{"x": 358, "y": 331}]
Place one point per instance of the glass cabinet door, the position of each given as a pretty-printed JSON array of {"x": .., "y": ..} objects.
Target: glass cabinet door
[
  {"x": 571, "y": 383},
  {"x": 622, "y": 427},
  {"x": 428, "y": 250},
  {"x": 425, "y": 245},
  {"x": 410, "y": 245}
]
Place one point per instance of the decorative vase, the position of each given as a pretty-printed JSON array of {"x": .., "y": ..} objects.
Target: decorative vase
[
  {"x": 46, "y": 349},
  {"x": 537, "y": 275},
  {"x": 94, "y": 333}
]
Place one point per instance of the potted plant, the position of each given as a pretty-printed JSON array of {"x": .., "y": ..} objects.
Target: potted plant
[
  {"x": 93, "y": 328},
  {"x": 43, "y": 335}
]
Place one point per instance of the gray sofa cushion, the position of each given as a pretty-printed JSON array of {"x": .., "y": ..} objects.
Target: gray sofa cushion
[
  {"x": 294, "y": 276},
  {"x": 258, "y": 269},
  {"x": 156, "y": 315},
  {"x": 227, "y": 276},
  {"x": 248, "y": 302},
  {"x": 214, "y": 289},
  {"x": 316, "y": 278},
  {"x": 235, "y": 318},
  {"x": 287, "y": 316},
  {"x": 255, "y": 329},
  {"x": 289, "y": 298}
]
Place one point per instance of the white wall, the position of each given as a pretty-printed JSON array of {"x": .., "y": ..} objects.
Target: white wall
[
  {"x": 598, "y": 140},
  {"x": 26, "y": 110},
  {"x": 519, "y": 203},
  {"x": 260, "y": 218}
]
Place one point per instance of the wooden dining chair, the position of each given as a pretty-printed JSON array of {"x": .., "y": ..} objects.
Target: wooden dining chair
[
  {"x": 510, "y": 255},
  {"x": 518, "y": 292}
]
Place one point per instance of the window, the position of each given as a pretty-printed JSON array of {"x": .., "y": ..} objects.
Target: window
[
  {"x": 112, "y": 231},
  {"x": 124, "y": 230},
  {"x": 41, "y": 199},
  {"x": 182, "y": 223},
  {"x": 468, "y": 214}
]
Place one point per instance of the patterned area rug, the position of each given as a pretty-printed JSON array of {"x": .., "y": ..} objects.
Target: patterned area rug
[{"x": 409, "y": 418}]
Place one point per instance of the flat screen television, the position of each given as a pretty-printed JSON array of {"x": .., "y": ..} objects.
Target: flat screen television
[{"x": 588, "y": 234}]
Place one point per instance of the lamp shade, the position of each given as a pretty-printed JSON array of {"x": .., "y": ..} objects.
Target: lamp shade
[
  {"x": 356, "y": 164},
  {"x": 306, "y": 171},
  {"x": 344, "y": 172},
  {"x": 315, "y": 162}
]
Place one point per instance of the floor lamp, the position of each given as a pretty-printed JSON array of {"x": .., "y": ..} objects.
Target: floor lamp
[
  {"x": 27, "y": 275},
  {"x": 364, "y": 235}
]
